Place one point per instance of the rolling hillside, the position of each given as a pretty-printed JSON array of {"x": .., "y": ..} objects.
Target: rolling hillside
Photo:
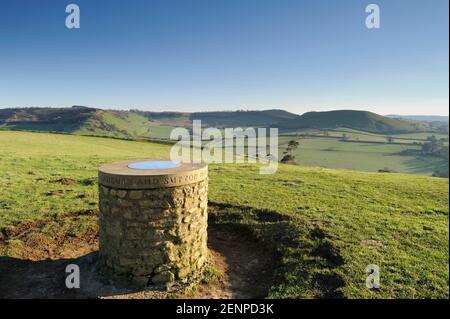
[
  {"x": 140, "y": 124},
  {"x": 223, "y": 118},
  {"x": 421, "y": 118},
  {"x": 244, "y": 118},
  {"x": 359, "y": 120},
  {"x": 46, "y": 119},
  {"x": 83, "y": 121}
]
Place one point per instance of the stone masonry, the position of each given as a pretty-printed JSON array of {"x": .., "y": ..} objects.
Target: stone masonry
[{"x": 153, "y": 224}]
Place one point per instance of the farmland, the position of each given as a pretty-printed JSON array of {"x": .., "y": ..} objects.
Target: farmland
[
  {"x": 362, "y": 151},
  {"x": 363, "y": 156}
]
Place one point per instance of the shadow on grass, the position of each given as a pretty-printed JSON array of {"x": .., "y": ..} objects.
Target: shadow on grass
[{"x": 29, "y": 279}]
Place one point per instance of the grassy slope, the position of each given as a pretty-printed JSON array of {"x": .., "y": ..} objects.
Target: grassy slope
[
  {"x": 137, "y": 122},
  {"x": 118, "y": 124},
  {"x": 408, "y": 215},
  {"x": 123, "y": 125},
  {"x": 398, "y": 222}
]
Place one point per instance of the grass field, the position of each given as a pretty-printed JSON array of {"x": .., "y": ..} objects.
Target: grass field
[
  {"x": 406, "y": 138},
  {"x": 336, "y": 221},
  {"x": 423, "y": 135},
  {"x": 362, "y": 156}
]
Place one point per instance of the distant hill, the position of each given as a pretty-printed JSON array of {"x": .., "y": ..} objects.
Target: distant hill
[
  {"x": 244, "y": 118},
  {"x": 83, "y": 121},
  {"x": 144, "y": 124},
  {"x": 223, "y": 119},
  {"x": 431, "y": 123},
  {"x": 359, "y": 120},
  {"x": 421, "y": 118},
  {"x": 46, "y": 119}
]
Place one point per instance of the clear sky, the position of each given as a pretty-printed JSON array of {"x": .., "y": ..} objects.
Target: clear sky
[{"x": 198, "y": 55}]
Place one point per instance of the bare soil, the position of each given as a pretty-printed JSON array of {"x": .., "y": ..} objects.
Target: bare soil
[
  {"x": 66, "y": 181},
  {"x": 245, "y": 268}
]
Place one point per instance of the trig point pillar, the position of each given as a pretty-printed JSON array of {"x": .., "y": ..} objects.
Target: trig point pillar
[{"x": 153, "y": 220}]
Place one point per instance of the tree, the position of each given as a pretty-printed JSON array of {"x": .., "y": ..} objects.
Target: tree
[
  {"x": 293, "y": 145},
  {"x": 389, "y": 139},
  {"x": 434, "y": 146},
  {"x": 288, "y": 156}
]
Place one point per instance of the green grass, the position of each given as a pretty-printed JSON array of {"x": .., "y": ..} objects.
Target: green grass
[
  {"x": 399, "y": 222},
  {"x": 30, "y": 161},
  {"x": 407, "y": 214},
  {"x": 333, "y": 153}
]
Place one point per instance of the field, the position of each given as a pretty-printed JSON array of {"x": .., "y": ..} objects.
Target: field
[
  {"x": 325, "y": 225},
  {"x": 363, "y": 151},
  {"x": 358, "y": 135},
  {"x": 332, "y": 153}
]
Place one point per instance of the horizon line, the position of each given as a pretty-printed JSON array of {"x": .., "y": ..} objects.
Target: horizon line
[{"x": 143, "y": 109}]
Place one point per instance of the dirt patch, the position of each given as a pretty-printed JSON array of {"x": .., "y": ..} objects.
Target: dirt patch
[
  {"x": 13, "y": 232},
  {"x": 18, "y": 231},
  {"x": 46, "y": 279},
  {"x": 58, "y": 192},
  {"x": 66, "y": 181},
  {"x": 38, "y": 246},
  {"x": 372, "y": 243},
  {"x": 245, "y": 268}
]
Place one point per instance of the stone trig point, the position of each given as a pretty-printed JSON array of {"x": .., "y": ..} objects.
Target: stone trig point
[{"x": 153, "y": 220}]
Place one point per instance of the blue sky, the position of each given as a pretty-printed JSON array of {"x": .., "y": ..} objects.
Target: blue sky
[{"x": 198, "y": 55}]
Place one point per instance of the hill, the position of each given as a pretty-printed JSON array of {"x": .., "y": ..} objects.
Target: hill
[
  {"x": 430, "y": 123},
  {"x": 359, "y": 120},
  {"x": 323, "y": 225},
  {"x": 129, "y": 124},
  {"x": 222, "y": 119},
  {"x": 83, "y": 121},
  {"x": 421, "y": 118},
  {"x": 46, "y": 119},
  {"x": 244, "y": 118},
  {"x": 145, "y": 124}
]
